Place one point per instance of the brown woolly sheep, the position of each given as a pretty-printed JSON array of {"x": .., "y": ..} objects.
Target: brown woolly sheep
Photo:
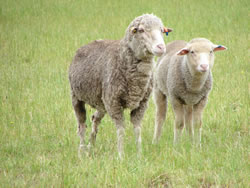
[{"x": 113, "y": 75}]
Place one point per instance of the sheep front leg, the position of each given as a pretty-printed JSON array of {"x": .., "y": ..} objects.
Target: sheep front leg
[
  {"x": 197, "y": 114},
  {"x": 116, "y": 114},
  {"x": 179, "y": 119},
  {"x": 137, "y": 114},
  {"x": 136, "y": 117},
  {"x": 119, "y": 122},
  {"x": 161, "y": 109},
  {"x": 188, "y": 110}
]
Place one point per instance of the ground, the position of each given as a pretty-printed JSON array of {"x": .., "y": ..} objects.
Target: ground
[{"x": 38, "y": 140}]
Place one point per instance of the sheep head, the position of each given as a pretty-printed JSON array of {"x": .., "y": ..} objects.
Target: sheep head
[
  {"x": 145, "y": 36},
  {"x": 200, "y": 54}
]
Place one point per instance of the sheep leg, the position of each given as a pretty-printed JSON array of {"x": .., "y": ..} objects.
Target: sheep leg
[
  {"x": 179, "y": 119},
  {"x": 161, "y": 110},
  {"x": 80, "y": 112},
  {"x": 120, "y": 134},
  {"x": 96, "y": 120},
  {"x": 188, "y": 110},
  {"x": 198, "y": 110},
  {"x": 116, "y": 113},
  {"x": 136, "y": 117}
]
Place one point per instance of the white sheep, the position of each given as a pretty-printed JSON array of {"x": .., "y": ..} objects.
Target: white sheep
[
  {"x": 113, "y": 75},
  {"x": 184, "y": 76}
]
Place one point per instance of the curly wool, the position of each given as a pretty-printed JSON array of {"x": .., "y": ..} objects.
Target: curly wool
[{"x": 111, "y": 75}]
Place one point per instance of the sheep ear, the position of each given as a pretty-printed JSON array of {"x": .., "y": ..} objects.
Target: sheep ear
[
  {"x": 169, "y": 29},
  {"x": 219, "y": 48},
  {"x": 183, "y": 51}
]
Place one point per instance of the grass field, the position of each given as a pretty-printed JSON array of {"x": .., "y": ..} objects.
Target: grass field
[{"x": 38, "y": 140}]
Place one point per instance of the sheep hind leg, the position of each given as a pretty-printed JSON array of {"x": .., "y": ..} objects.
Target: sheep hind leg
[
  {"x": 96, "y": 120},
  {"x": 160, "y": 116},
  {"x": 80, "y": 112}
]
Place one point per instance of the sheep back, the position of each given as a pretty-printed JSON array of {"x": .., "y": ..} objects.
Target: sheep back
[{"x": 89, "y": 69}]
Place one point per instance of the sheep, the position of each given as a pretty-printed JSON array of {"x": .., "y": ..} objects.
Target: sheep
[
  {"x": 113, "y": 75},
  {"x": 184, "y": 76}
]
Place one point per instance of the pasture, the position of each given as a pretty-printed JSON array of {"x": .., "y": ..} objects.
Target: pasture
[{"x": 38, "y": 139}]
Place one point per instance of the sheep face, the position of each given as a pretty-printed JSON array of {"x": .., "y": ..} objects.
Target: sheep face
[
  {"x": 200, "y": 55},
  {"x": 145, "y": 36},
  {"x": 147, "y": 41}
]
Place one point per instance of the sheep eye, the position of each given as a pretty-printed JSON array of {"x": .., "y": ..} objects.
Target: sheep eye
[
  {"x": 211, "y": 52},
  {"x": 141, "y": 30},
  {"x": 134, "y": 30},
  {"x": 192, "y": 52}
]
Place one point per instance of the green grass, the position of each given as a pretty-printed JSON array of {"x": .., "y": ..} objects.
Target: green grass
[{"x": 38, "y": 140}]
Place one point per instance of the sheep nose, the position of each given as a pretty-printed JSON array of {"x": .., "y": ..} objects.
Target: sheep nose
[
  {"x": 161, "y": 46},
  {"x": 159, "y": 49},
  {"x": 204, "y": 66}
]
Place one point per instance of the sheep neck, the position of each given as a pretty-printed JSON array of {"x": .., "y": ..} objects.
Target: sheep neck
[
  {"x": 129, "y": 61},
  {"x": 194, "y": 80},
  {"x": 137, "y": 73},
  {"x": 128, "y": 56}
]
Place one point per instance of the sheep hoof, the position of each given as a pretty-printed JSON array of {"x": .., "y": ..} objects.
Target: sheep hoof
[
  {"x": 155, "y": 141},
  {"x": 81, "y": 151},
  {"x": 90, "y": 148},
  {"x": 121, "y": 155}
]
